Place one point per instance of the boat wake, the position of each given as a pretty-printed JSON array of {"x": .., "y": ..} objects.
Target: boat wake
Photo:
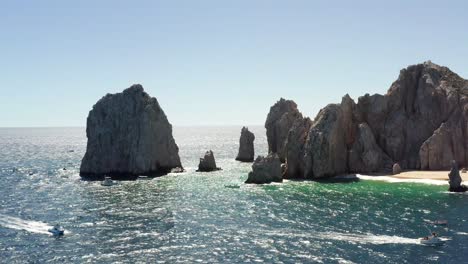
[
  {"x": 354, "y": 238},
  {"x": 26, "y": 225}
]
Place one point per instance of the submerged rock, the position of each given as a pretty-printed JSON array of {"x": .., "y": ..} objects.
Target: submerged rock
[
  {"x": 455, "y": 179},
  {"x": 265, "y": 170},
  {"x": 207, "y": 163},
  {"x": 128, "y": 135},
  {"x": 246, "y": 146}
]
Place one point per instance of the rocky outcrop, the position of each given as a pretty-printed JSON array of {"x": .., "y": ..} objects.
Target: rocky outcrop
[
  {"x": 365, "y": 155},
  {"x": 295, "y": 151},
  {"x": 128, "y": 135},
  {"x": 420, "y": 123},
  {"x": 396, "y": 169},
  {"x": 265, "y": 170},
  {"x": 442, "y": 147},
  {"x": 455, "y": 179},
  {"x": 246, "y": 146},
  {"x": 279, "y": 121},
  {"x": 207, "y": 163}
]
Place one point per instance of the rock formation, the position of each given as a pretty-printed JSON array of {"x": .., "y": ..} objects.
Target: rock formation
[
  {"x": 295, "y": 144},
  {"x": 246, "y": 146},
  {"x": 279, "y": 121},
  {"x": 396, "y": 169},
  {"x": 128, "y": 135},
  {"x": 455, "y": 180},
  {"x": 420, "y": 123},
  {"x": 266, "y": 170},
  {"x": 207, "y": 163}
]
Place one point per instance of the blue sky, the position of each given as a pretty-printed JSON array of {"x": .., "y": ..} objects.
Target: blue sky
[{"x": 214, "y": 62}]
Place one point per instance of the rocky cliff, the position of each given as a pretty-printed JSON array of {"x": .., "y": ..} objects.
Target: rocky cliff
[
  {"x": 128, "y": 135},
  {"x": 246, "y": 146},
  {"x": 420, "y": 123}
]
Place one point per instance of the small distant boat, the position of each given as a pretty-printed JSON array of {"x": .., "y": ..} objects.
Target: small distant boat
[
  {"x": 432, "y": 240},
  {"x": 232, "y": 186},
  {"x": 143, "y": 177},
  {"x": 440, "y": 222},
  {"x": 57, "y": 230},
  {"x": 107, "y": 181}
]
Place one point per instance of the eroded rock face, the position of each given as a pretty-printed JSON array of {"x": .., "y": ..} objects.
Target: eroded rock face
[
  {"x": 279, "y": 121},
  {"x": 421, "y": 123},
  {"x": 246, "y": 146},
  {"x": 128, "y": 135},
  {"x": 265, "y": 170},
  {"x": 295, "y": 148},
  {"x": 207, "y": 163},
  {"x": 455, "y": 179},
  {"x": 365, "y": 155},
  {"x": 396, "y": 169}
]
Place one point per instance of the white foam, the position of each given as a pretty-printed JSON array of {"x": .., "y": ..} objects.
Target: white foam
[
  {"x": 21, "y": 224},
  {"x": 354, "y": 238},
  {"x": 400, "y": 180}
]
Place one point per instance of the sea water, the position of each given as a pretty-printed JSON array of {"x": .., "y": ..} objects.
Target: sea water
[{"x": 210, "y": 217}]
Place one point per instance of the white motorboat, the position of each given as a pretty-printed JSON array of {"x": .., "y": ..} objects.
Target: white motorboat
[
  {"x": 57, "y": 230},
  {"x": 432, "y": 240},
  {"x": 107, "y": 181}
]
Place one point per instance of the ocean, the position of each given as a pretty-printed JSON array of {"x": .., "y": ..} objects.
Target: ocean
[{"x": 210, "y": 217}]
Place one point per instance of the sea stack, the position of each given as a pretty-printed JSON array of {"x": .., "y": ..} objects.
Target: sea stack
[
  {"x": 421, "y": 123},
  {"x": 207, "y": 163},
  {"x": 265, "y": 170},
  {"x": 246, "y": 146},
  {"x": 455, "y": 179},
  {"x": 128, "y": 135},
  {"x": 279, "y": 121}
]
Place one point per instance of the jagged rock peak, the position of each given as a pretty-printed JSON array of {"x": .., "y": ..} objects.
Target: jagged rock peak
[
  {"x": 207, "y": 163},
  {"x": 246, "y": 146},
  {"x": 279, "y": 120},
  {"x": 128, "y": 135}
]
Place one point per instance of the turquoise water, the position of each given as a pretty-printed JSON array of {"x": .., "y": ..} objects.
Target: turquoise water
[{"x": 203, "y": 217}]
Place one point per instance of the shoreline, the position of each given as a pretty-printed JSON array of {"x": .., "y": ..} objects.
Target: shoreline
[{"x": 427, "y": 177}]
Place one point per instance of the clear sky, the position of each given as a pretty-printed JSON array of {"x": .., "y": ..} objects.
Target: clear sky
[{"x": 214, "y": 62}]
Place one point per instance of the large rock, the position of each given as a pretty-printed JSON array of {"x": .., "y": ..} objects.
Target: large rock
[
  {"x": 207, "y": 163},
  {"x": 396, "y": 169},
  {"x": 280, "y": 119},
  {"x": 246, "y": 146},
  {"x": 442, "y": 147},
  {"x": 455, "y": 180},
  {"x": 295, "y": 144},
  {"x": 128, "y": 135},
  {"x": 265, "y": 170},
  {"x": 332, "y": 133},
  {"x": 365, "y": 155},
  {"x": 420, "y": 123}
]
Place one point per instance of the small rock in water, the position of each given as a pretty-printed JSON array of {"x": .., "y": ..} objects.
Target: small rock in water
[
  {"x": 266, "y": 170},
  {"x": 207, "y": 163},
  {"x": 455, "y": 179},
  {"x": 246, "y": 146}
]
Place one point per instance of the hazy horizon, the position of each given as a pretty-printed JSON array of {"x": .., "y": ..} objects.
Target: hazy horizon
[{"x": 214, "y": 63}]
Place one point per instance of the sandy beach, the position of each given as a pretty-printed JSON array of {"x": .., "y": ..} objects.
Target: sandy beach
[{"x": 430, "y": 175}]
